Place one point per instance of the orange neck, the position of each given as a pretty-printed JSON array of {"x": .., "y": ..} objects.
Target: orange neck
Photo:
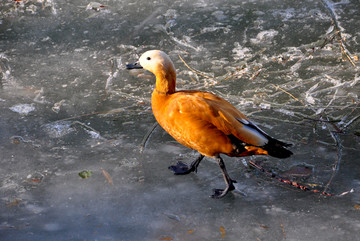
[{"x": 166, "y": 80}]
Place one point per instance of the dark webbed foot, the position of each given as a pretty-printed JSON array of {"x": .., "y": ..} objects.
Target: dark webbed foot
[
  {"x": 219, "y": 193},
  {"x": 182, "y": 169}
]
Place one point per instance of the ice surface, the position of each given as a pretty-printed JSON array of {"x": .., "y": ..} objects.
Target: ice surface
[
  {"x": 68, "y": 105},
  {"x": 22, "y": 109}
]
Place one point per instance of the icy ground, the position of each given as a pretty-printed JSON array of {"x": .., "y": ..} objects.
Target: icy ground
[{"x": 75, "y": 161}]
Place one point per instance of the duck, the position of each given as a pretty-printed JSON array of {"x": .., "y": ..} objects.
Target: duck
[{"x": 204, "y": 122}]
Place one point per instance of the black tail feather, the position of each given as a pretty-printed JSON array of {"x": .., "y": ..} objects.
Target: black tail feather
[{"x": 277, "y": 148}]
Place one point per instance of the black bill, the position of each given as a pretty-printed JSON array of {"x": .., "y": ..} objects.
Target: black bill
[{"x": 134, "y": 66}]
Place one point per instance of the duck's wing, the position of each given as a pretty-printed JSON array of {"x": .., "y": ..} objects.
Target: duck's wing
[
  {"x": 230, "y": 120},
  {"x": 209, "y": 109}
]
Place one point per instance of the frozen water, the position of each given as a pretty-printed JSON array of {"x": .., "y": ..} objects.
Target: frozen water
[{"x": 68, "y": 106}]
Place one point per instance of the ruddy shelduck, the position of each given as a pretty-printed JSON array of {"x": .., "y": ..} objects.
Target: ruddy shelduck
[{"x": 203, "y": 121}]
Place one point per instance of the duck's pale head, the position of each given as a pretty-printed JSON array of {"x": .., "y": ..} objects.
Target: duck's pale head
[{"x": 160, "y": 64}]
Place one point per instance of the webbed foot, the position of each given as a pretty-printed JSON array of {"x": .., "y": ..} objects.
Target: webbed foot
[
  {"x": 181, "y": 168},
  {"x": 219, "y": 193}
]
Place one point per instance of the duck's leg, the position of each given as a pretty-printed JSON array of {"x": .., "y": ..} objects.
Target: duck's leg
[
  {"x": 219, "y": 193},
  {"x": 182, "y": 169}
]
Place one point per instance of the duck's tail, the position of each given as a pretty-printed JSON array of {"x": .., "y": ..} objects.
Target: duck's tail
[
  {"x": 277, "y": 148},
  {"x": 273, "y": 147}
]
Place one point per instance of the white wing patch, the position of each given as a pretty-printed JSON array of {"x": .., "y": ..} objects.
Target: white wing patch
[
  {"x": 243, "y": 121},
  {"x": 262, "y": 140},
  {"x": 253, "y": 130}
]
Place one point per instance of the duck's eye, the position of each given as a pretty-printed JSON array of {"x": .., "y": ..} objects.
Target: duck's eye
[{"x": 148, "y": 58}]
